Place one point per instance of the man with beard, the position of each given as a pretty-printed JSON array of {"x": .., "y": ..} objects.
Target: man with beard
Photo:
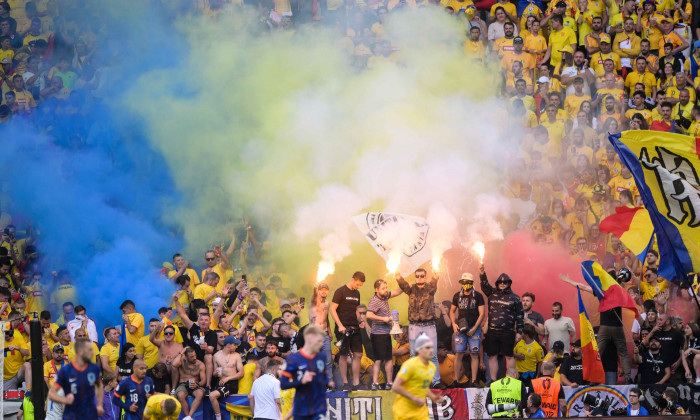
[
  {"x": 558, "y": 328},
  {"x": 531, "y": 317},
  {"x": 653, "y": 369},
  {"x": 378, "y": 311},
  {"x": 578, "y": 69},
  {"x": 133, "y": 391},
  {"x": 192, "y": 381},
  {"x": 467, "y": 314},
  {"x": 228, "y": 368},
  {"x": 571, "y": 369},
  {"x": 592, "y": 40},
  {"x": 505, "y": 321},
  {"x": 271, "y": 352},
  {"x": 671, "y": 341},
  {"x": 168, "y": 348}
]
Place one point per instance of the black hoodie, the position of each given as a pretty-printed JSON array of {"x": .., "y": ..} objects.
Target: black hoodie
[{"x": 505, "y": 307}]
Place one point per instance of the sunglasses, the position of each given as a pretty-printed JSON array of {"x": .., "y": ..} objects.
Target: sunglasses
[
  {"x": 421, "y": 276},
  {"x": 210, "y": 259},
  {"x": 169, "y": 333},
  {"x": 363, "y": 313}
]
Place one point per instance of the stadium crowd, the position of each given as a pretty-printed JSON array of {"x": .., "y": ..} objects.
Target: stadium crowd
[{"x": 570, "y": 73}]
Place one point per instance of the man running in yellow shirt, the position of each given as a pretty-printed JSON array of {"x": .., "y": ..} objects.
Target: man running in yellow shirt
[{"x": 413, "y": 381}]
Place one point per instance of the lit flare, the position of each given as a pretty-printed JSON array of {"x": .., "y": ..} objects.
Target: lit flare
[
  {"x": 479, "y": 249},
  {"x": 325, "y": 269}
]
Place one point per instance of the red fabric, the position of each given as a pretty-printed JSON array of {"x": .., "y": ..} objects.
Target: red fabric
[
  {"x": 660, "y": 126},
  {"x": 484, "y": 4},
  {"x": 592, "y": 366},
  {"x": 619, "y": 222},
  {"x": 457, "y": 401}
]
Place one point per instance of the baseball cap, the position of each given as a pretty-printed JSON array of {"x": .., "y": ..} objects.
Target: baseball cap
[
  {"x": 560, "y": 4},
  {"x": 58, "y": 347},
  {"x": 567, "y": 48},
  {"x": 231, "y": 340},
  {"x": 576, "y": 343},
  {"x": 604, "y": 38},
  {"x": 517, "y": 39},
  {"x": 543, "y": 79},
  {"x": 558, "y": 345},
  {"x": 422, "y": 341},
  {"x": 466, "y": 277},
  {"x": 323, "y": 286}
]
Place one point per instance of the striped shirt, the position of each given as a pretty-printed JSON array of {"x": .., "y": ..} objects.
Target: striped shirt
[{"x": 380, "y": 307}]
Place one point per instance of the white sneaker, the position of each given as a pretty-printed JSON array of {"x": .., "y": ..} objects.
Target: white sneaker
[{"x": 187, "y": 418}]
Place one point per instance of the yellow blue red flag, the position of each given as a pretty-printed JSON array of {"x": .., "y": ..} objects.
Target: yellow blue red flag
[
  {"x": 665, "y": 167},
  {"x": 606, "y": 289},
  {"x": 592, "y": 364},
  {"x": 632, "y": 225}
]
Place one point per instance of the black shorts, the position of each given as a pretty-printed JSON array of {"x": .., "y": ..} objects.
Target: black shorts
[
  {"x": 499, "y": 343},
  {"x": 229, "y": 388},
  {"x": 351, "y": 343},
  {"x": 381, "y": 344}
]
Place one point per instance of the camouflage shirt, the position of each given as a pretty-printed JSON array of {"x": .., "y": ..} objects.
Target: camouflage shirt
[{"x": 420, "y": 300}]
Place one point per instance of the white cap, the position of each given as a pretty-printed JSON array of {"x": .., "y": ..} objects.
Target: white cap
[
  {"x": 543, "y": 79},
  {"x": 422, "y": 340}
]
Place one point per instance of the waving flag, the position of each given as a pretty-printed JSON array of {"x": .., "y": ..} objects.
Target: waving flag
[
  {"x": 397, "y": 236},
  {"x": 592, "y": 366},
  {"x": 606, "y": 289},
  {"x": 634, "y": 228},
  {"x": 665, "y": 167}
]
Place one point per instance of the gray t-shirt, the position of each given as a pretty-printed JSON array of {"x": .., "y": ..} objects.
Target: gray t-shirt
[{"x": 380, "y": 307}]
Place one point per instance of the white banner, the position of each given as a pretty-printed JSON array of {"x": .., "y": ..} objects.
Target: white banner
[
  {"x": 397, "y": 236},
  {"x": 616, "y": 396}
]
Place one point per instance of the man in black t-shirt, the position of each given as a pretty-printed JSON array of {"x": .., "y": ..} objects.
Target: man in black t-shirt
[
  {"x": 653, "y": 369},
  {"x": 467, "y": 313},
  {"x": 571, "y": 369},
  {"x": 343, "y": 309},
  {"x": 199, "y": 337},
  {"x": 672, "y": 342}
]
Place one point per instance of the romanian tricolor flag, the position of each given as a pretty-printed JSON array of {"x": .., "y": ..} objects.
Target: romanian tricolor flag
[
  {"x": 634, "y": 228},
  {"x": 606, "y": 289},
  {"x": 592, "y": 366},
  {"x": 666, "y": 169}
]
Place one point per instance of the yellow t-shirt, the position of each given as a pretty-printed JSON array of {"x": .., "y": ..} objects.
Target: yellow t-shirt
[
  {"x": 112, "y": 353},
  {"x": 474, "y": 49},
  {"x": 619, "y": 184},
  {"x": 153, "y": 410},
  {"x": 648, "y": 79},
  {"x": 651, "y": 32},
  {"x": 137, "y": 321},
  {"x": 35, "y": 299},
  {"x": 64, "y": 293},
  {"x": 533, "y": 355},
  {"x": 29, "y": 38},
  {"x": 245, "y": 384},
  {"x": 650, "y": 291},
  {"x": 218, "y": 269},
  {"x": 70, "y": 353},
  {"x": 194, "y": 279},
  {"x": 148, "y": 350},
  {"x": 557, "y": 131},
  {"x": 572, "y": 104},
  {"x": 559, "y": 39},
  {"x": 673, "y": 92},
  {"x": 508, "y": 7},
  {"x": 599, "y": 58},
  {"x": 694, "y": 129},
  {"x": 672, "y": 38},
  {"x": 203, "y": 291},
  {"x": 14, "y": 359},
  {"x": 51, "y": 369},
  {"x": 286, "y": 400},
  {"x": 417, "y": 379},
  {"x": 550, "y": 357}
]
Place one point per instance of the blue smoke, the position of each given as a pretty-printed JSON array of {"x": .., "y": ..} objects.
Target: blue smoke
[{"x": 98, "y": 194}]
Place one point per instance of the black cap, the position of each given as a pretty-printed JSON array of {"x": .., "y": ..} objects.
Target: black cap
[
  {"x": 558, "y": 345},
  {"x": 560, "y": 4},
  {"x": 576, "y": 343},
  {"x": 517, "y": 39}
]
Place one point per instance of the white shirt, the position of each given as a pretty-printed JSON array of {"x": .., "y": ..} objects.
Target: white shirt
[
  {"x": 77, "y": 323},
  {"x": 558, "y": 330},
  {"x": 266, "y": 392},
  {"x": 574, "y": 71}
]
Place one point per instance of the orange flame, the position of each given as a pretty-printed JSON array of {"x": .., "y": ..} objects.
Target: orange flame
[
  {"x": 479, "y": 249},
  {"x": 325, "y": 269}
]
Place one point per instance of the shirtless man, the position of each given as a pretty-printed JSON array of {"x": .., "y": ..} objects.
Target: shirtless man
[
  {"x": 192, "y": 380},
  {"x": 318, "y": 314},
  {"x": 228, "y": 367},
  {"x": 272, "y": 352},
  {"x": 168, "y": 349}
]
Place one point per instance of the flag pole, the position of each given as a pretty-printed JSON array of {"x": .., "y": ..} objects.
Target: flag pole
[
  {"x": 690, "y": 289},
  {"x": 629, "y": 333}
]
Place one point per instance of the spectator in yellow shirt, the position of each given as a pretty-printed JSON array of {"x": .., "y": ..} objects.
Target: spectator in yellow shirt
[
  {"x": 669, "y": 36},
  {"x": 52, "y": 366},
  {"x": 474, "y": 46},
  {"x": 639, "y": 107},
  {"x": 134, "y": 322},
  {"x": 109, "y": 353},
  {"x": 648, "y": 24},
  {"x": 182, "y": 266},
  {"x": 535, "y": 43},
  {"x": 572, "y": 103},
  {"x": 509, "y": 9},
  {"x": 560, "y": 39},
  {"x": 641, "y": 75}
]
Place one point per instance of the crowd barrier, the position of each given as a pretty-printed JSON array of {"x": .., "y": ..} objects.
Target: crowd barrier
[{"x": 460, "y": 404}]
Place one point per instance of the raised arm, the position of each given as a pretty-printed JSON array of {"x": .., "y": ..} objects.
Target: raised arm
[
  {"x": 153, "y": 337},
  {"x": 485, "y": 286},
  {"x": 584, "y": 287},
  {"x": 403, "y": 285}
]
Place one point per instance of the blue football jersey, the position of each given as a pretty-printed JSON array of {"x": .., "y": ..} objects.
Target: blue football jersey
[
  {"x": 130, "y": 391},
  {"x": 310, "y": 398},
  {"x": 80, "y": 383}
]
